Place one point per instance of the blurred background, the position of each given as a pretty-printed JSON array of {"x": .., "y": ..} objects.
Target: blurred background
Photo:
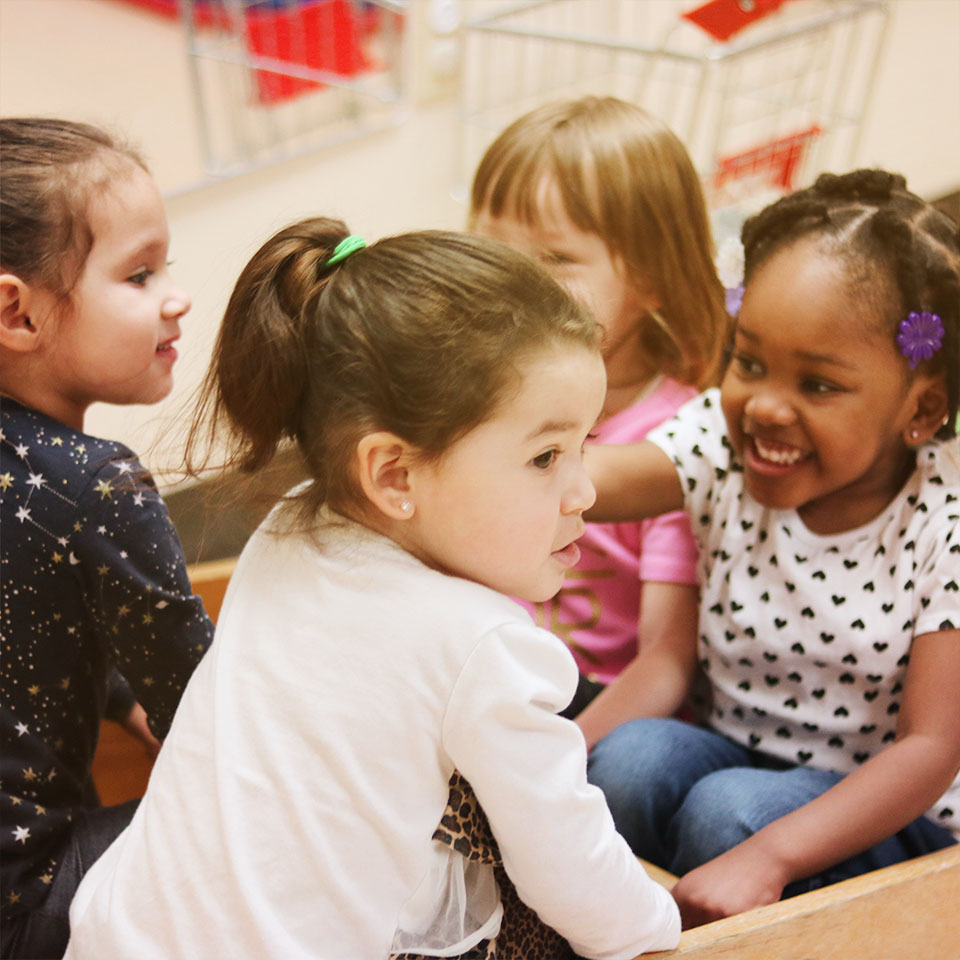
[{"x": 254, "y": 113}]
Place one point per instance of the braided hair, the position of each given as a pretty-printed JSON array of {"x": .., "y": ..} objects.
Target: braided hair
[{"x": 876, "y": 226}]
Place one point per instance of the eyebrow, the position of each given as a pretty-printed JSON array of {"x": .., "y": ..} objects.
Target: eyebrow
[
  {"x": 550, "y": 426},
  {"x": 807, "y": 355},
  {"x": 144, "y": 248}
]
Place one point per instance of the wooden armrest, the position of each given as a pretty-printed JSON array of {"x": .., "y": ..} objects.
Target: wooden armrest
[
  {"x": 661, "y": 876},
  {"x": 907, "y": 910},
  {"x": 209, "y": 581}
]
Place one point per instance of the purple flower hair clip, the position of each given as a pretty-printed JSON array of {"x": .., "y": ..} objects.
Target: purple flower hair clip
[
  {"x": 920, "y": 336},
  {"x": 734, "y": 300}
]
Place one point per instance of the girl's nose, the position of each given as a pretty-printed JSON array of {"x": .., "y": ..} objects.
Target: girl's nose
[
  {"x": 175, "y": 304},
  {"x": 581, "y": 494},
  {"x": 770, "y": 407}
]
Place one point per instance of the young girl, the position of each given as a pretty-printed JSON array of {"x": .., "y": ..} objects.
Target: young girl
[
  {"x": 94, "y": 581},
  {"x": 823, "y": 479},
  {"x": 606, "y": 197},
  {"x": 440, "y": 389}
]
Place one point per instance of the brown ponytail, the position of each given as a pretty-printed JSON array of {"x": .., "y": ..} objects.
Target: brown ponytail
[{"x": 419, "y": 334}]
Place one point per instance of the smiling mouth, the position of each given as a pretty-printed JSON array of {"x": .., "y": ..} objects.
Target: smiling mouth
[{"x": 779, "y": 454}]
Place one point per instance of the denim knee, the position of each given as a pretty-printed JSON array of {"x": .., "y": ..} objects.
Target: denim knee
[
  {"x": 726, "y": 807},
  {"x": 645, "y": 769}
]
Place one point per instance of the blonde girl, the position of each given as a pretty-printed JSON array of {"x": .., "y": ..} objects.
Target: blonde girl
[
  {"x": 605, "y": 196},
  {"x": 315, "y": 792}
]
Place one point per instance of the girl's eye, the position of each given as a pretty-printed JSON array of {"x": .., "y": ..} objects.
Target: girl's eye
[
  {"x": 746, "y": 365},
  {"x": 140, "y": 277},
  {"x": 544, "y": 460},
  {"x": 818, "y": 387},
  {"x": 554, "y": 258}
]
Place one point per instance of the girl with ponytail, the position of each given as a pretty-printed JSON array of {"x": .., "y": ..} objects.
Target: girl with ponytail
[{"x": 370, "y": 761}]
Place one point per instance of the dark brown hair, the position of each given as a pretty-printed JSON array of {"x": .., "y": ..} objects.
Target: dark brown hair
[
  {"x": 419, "y": 334},
  {"x": 902, "y": 252},
  {"x": 50, "y": 170},
  {"x": 626, "y": 177}
]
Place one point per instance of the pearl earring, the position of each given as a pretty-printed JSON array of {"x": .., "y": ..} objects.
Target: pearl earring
[
  {"x": 914, "y": 434},
  {"x": 406, "y": 506}
]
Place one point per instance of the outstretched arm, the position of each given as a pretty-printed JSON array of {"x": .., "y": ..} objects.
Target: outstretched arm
[
  {"x": 870, "y": 804},
  {"x": 656, "y": 681},
  {"x": 633, "y": 481}
]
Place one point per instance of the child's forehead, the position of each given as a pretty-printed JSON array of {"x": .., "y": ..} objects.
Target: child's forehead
[
  {"x": 816, "y": 268},
  {"x": 128, "y": 214}
]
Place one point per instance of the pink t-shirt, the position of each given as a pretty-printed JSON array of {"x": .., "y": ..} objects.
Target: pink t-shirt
[{"x": 598, "y": 607}]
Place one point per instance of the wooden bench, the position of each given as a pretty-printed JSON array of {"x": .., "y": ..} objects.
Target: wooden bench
[{"x": 909, "y": 911}]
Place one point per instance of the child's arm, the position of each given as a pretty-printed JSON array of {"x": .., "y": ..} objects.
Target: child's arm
[
  {"x": 656, "y": 681},
  {"x": 154, "y": 628},
  {"x": 528, "y": 768},
  {"x": 633, "y": 481},
  {"x": 870, "y": 804}
]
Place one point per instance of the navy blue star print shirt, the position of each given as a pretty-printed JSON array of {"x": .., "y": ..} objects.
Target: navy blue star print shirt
[{"x": 93, "y": 580}]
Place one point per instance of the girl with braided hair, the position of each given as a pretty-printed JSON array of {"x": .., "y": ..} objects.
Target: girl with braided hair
[{"x": 823, "y": 482}]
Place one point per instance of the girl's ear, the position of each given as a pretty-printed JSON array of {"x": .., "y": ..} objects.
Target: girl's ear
[
  {"x": 17, "y": 331},
  {"x": 929, "y": 399},
  {"x": 384, "y": 461}
]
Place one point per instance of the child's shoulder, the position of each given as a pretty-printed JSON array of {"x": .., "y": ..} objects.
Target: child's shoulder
[
  {"x": 932, "y": 496},
  {"x": 938, "y": 463},
  {"x": 696, "y": 437},
  {"x": 44, "y": 453}
]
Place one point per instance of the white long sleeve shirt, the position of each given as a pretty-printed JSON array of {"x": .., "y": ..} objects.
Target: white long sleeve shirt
[{"x": 291, "y": 811}]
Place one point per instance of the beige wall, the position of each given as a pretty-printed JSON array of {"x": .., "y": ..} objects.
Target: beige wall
[{"x": 106, "y": 62}]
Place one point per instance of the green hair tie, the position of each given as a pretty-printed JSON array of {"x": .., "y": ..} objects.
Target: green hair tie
[{"x": 344, "y": 248}]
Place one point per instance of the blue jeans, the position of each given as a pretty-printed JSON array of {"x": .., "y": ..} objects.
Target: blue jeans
[
  {"x": 682, "y": 795},
  {"x": 44, "y": 932}
]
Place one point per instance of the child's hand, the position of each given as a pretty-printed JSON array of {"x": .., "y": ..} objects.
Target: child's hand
[
  {"x": 738, "y": 880},
  {"x": 136, "y": 723}
]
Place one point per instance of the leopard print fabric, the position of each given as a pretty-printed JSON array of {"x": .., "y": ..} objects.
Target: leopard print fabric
[{"x": 523, "y": 935}]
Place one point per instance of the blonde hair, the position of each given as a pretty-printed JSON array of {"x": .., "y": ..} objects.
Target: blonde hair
[{"x": 627, "y": 178}]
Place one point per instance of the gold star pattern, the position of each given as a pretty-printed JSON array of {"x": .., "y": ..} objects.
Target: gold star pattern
[
  {"x": 33, "y": 689},
  {"x": 56, "y": 441},
  {"x": 148, "y": 618},
  {"x": 13, "y": 897},
  {"x": 6, "y": 480},
  {"x": 46, "y": 878},
  {"x": 103, "y": 569},
  {"x": 65, "y": 683},
  {"x": 16, "y": 801},
  {"x": 104, "y": 489},
  {"x": 123, "y": 611},
  {"x": 57, "y": 557},
  {"x": 29, "y": 773}
]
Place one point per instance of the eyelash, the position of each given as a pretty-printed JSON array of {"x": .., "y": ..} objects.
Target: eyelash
[
  {"x": 145, "y": 273},
  {"x": 745, "y": 364},
  {"x": 549, "y": 455}
]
